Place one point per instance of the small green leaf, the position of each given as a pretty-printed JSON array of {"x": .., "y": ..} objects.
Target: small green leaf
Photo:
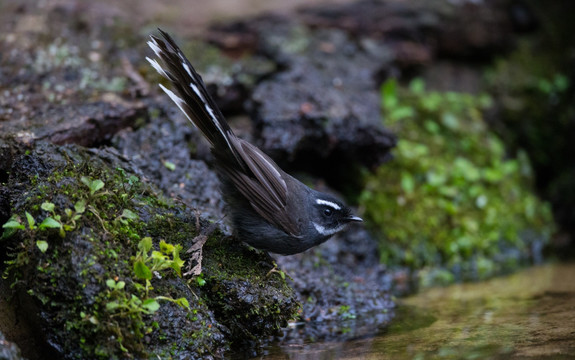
[
  {"x": 129, "y": 214},
  {"x": 50, "y": 223},
  {"x": 42, "y": 245},
  {"x": 450, "y": 121},
  {"x": 48, "y": 206},
  {"x": 111, "y": 283},
  {"x": 417, "y": 86},
  {"x": 120, "y": 285},
  {"x": 80, "y": 206},
  {"x": 432, "y": 126},
  {"x": 481, "y": 201},
  {"x": 177, "y": 265},
  {"x": 183, "y": 302},
  {"x": 31, "y": 221},
  {"x": 13, "y": 224},
  {"x": 139, "y": 287},
  {"x": 145, "y": 244},
  {"x": 86, "y": 181},
  {"x": 436, "y": 178},
  {"x": 96, "y": 185},
  {"x": 112, "y": 305},
  {"x": 134, "y": 300},
  {"x": 170, "y": 165},
  {"x": 166, "y": 248},
  {"x": 152, "y": 305},
  {"x": 400, "y": 113},
  {"x": 200, "y": 280},
  {"x": 142, "y": 271},
  {"x": 133, "y": 179},
  {"x": 156, "y": 255}
]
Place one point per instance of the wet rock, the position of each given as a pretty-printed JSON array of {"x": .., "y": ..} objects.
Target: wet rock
[
  {"x": 323, "y": 111},
  {"x": 176, "y": 160},
  {"x": 341, "y": 284},
  {"x": 8, "y": 350},
  {"x": 429, "y": 28},
  {"x": 320, "y": 111},
  {"x": 83, "y": 124},
  {"x": 247, "y": 299},
  {"x": 77, "y": 277}
]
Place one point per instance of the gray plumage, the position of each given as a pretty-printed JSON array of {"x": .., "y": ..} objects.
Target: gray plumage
[{"x": 270, "y": 210}]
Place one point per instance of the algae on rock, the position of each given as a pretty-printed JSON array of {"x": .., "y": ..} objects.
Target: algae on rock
[{"x": 97, "y": 250}]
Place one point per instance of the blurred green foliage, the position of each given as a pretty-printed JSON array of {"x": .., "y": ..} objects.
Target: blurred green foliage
[
  {"x": 534, "y": 93},
  {"x": 451, "y": 201}
]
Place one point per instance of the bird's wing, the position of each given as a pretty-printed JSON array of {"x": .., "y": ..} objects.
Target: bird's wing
[{"x": 265, "y": 188}]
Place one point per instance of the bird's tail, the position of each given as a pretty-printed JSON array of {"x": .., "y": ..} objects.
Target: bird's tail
[{"x": 191, "y": 94}]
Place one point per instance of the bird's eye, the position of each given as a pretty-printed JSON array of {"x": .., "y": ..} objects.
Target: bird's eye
[{"x": 327, "y": 212}]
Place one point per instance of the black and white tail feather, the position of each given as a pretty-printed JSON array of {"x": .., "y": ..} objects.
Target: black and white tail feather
[
  {"x": 253, "y": 173},
  {"x": 193, "y": 100},
  {"x": 271, "y": 210}
]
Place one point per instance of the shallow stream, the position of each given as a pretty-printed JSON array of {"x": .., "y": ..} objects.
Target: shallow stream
[{"x": 530, "y": 314}]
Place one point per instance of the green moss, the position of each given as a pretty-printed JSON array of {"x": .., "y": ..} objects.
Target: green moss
[
  {"x": 82, "y": 273},
  {"x": 94, "y": 275},
  {"x": 452, "y": 197},
  {"x": 252, "y": 301}
]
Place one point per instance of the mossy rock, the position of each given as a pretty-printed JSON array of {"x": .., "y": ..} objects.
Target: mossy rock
[{"x": 77, "y": 219}]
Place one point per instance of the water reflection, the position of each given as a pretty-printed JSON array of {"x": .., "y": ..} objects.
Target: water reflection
[{"x": 530, "y": 314}]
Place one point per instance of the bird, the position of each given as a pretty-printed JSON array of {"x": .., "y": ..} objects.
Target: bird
[{"x": 269, "y": 209}]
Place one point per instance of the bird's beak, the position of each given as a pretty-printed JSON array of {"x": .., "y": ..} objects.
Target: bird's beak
[{"x": 355, "y": 218}]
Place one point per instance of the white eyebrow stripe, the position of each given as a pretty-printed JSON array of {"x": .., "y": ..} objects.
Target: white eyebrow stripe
[
  {"x": 327, "y": 203},
  {"x": 328, "y": 232}
]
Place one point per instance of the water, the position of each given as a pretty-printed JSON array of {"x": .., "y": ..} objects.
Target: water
[{"x": 530, "y": 314}]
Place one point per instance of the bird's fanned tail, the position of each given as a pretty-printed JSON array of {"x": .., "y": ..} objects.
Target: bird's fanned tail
[
  {"x": 251, "y": 173},
  {"x": 191, "y": 94}
]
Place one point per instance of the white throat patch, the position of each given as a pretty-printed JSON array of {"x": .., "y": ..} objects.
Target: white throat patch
[
  {"x": 328, "y": 203},
  {"x": 327, "y": 232}
]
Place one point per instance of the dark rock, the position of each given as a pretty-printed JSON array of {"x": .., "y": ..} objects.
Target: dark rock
[
  {"x": 323, "y": 110},
  {"x": 88, "y": 124},
  {"x": 320, "y": 111},
  {"x": 340, "y": 282},
  {"x": 425, "y": 28},
  {"x": 65, "y": 288},
  {"x": 175, "y": 160},
  {"x": 8, "y": 350}
]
